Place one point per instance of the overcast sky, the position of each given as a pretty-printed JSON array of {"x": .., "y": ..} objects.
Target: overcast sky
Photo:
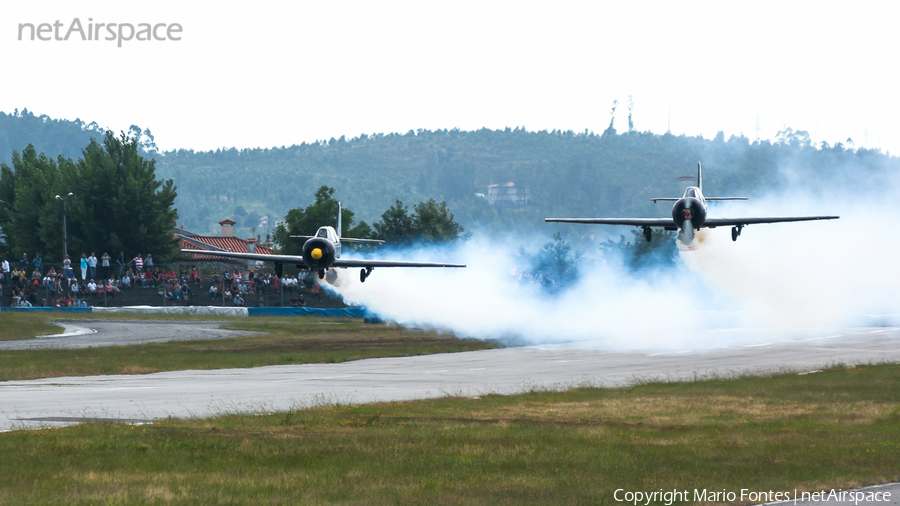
[{"x": 275, "y": 73}]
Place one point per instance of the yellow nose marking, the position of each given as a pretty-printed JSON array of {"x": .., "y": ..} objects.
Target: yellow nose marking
[{"x": 316, "y": 253}]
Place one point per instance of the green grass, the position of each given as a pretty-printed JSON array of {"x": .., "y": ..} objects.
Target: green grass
[
  {"x": 287, "y": 341},
  {"x": 835, "y": 429},
  {"x": 16, "y": 325}
]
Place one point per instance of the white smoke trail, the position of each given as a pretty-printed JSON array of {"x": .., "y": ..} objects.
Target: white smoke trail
[{"x": 776, "y": 280}]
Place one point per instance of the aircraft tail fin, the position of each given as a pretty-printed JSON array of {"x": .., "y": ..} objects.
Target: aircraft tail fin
[
  {"x": 699, "y": 178},
  {"x": 339, "y": 221}
]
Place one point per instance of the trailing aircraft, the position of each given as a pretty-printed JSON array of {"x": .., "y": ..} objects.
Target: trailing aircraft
[
  {"x": 322, "y": 252},
  {"x": 689, "y": 215}
]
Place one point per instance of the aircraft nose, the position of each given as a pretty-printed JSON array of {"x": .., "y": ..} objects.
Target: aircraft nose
[{"x": 316, "y": 253}]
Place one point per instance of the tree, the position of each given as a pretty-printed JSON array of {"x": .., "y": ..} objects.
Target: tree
[
  {"x": 117, "y": 202},
  {"x": 557, "y": 262},
  {"x": 395, "y": 224},
  {"x": 660, "y": 251},
  {"x": 434, "y": 223},
  {"x": 431, "y": 222},
  {"x": 307, "y": 221}
]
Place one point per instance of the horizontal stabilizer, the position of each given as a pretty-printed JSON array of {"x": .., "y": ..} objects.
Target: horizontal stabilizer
[{"x": 343, "y": 239}]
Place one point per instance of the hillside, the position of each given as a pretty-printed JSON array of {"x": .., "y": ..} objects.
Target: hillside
[{"x": 567, "y": 173}]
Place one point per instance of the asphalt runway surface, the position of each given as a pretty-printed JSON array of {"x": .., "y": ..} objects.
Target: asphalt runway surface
[{"x": 142, "y": 398}]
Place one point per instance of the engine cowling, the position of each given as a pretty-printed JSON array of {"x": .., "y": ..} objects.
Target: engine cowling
[
  {"x": 689, "y": 209},
  {"x": 318, "y": 253}
]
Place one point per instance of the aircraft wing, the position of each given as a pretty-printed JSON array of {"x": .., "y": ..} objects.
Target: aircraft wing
[
  {"x": 637, "y": 222},
  {"x": 731, "y": 222},
  {"x": 287, "y": 259},
  {"x": 344, "y": 262},
  {"x": 298, "y": 260}
]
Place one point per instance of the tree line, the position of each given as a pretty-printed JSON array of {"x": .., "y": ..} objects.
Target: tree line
[{"x": 429, "y": 222}]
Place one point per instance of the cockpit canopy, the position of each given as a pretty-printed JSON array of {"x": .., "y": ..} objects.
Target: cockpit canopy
[
  {"x": 327, "y": 233},
  {"x": 692, "y": 192}
]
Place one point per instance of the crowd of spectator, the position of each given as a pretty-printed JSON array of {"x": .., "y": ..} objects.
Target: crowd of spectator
[
  {"x": 106, "y": 277},
  {"x": 237, "y": 287},
  {"x": 99, "y": 278}
]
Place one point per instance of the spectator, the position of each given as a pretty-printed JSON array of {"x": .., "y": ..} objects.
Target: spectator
[
  {"x": 104, "y": 261},
  {"x": 67, "y": 264},
  {"x": 70, "y": 275},
  {"x": 213, "y": 291},
  {"x": 37, "y": 263},
  {"x": 84, "y": 267},
  {"x": 23, "y": 263},
  {"x": 92, "y": 287},
  {"x": 36, "y": 275},
  {"x": 301, "y": 301},
  {"x": 6, "y": 276},
  {"x": 126, "y": 281},
  {"x": 111, "y": 290},
  {"x": 149, "y": 261},
  {"x": 238, "y": 300},
  {"x": 82, "y": 303},
  {"x": 195, "y": 276},
  {"x": 121, "y": 261},
  {"x": 138, "y": 263},
  {"x": 92, "y": 265}
]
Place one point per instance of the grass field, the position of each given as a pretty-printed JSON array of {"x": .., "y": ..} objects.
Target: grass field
[
  {"x": 16, "y": 325},
  {"x": 297, "y": 340},
  {"x": 834, "y": 429}
]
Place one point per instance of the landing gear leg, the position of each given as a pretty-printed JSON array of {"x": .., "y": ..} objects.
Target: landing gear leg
[
  {"x": 647, "y": 234},
  {"x": 364, "y": 273},
  {"x": 736, "y": 232},
  {"x": 322, "y": 274}
]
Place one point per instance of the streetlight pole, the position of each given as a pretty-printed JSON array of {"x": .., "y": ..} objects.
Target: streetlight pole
[{"x": 65, "y": 246}]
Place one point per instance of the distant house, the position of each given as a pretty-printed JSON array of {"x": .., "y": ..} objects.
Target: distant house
[
  {"x": 507, "y": 195},
  {"x": 224, "y": 242}
]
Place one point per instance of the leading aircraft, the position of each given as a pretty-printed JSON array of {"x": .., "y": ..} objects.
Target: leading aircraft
[
  {"x": 689, "y": 215},
  {"x": 322, "y": 252}
]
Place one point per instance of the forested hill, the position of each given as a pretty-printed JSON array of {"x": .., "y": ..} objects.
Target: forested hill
[
  {"x": 567, "y": 173},
  {"x": 49, "y": 136}
]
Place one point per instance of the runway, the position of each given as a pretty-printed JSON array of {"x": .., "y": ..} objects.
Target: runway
[
  {"x": 95, "y": 333},
  {"x": 143, "y": 398}
]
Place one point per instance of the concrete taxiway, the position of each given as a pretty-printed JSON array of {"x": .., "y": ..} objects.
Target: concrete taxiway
[{"x": 50, "y": 402}]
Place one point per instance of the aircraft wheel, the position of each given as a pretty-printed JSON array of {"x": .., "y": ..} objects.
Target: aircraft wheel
[
  {"x": 362, "y": 275},
  {"x": 734, "y": 233},
  {"x": 321, "y": 274},
  {"x": 648, "y": 234}
]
